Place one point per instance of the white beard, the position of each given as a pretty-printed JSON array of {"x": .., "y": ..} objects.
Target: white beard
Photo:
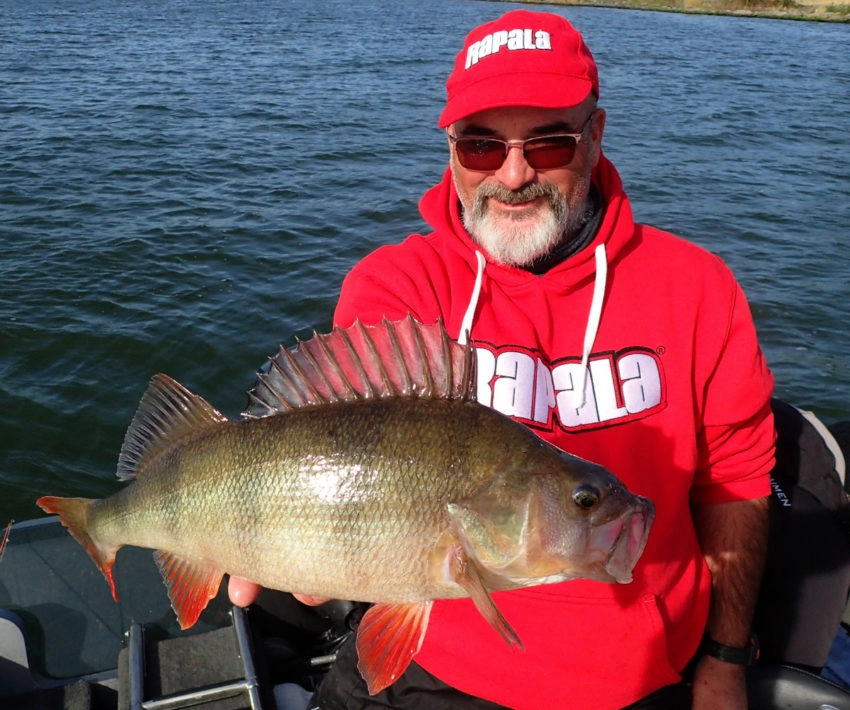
[{"x": 521, "y": 240}]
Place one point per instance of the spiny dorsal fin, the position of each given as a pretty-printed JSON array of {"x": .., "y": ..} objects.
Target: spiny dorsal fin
[
  {"x": 166, "y": 413},
  {"x": 392, "y": 359}
]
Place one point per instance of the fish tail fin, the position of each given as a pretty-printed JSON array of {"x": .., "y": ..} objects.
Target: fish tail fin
[{"x": 74, "y": 514}]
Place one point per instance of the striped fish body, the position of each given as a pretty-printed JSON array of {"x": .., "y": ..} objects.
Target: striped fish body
[
  {"x": 363, "y": 469},
  {"x": 346, "y": 501}
]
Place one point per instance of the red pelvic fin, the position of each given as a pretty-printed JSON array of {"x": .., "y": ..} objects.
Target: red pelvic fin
[
  {"x": 388, "y": 638},
  {"x": 190, "y": 585},
  {"x": 73, "y": 514}
]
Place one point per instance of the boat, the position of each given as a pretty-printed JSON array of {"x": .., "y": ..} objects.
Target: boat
[{"x": 66, "y": 645}]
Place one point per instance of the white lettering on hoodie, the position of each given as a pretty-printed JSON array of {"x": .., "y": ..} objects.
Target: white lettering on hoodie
[{"x": 618, "y": 386}]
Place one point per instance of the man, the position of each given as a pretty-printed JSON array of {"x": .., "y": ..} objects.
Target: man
[{"x": 614, "y": 341}]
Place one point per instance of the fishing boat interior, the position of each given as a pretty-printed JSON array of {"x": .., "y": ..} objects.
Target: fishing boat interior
[{"x": 66, "y": 645}]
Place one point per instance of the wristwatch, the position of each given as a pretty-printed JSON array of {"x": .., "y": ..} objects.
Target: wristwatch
[{"x": 745, "y": 656}]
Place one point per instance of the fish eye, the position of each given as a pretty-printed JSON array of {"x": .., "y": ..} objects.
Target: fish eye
[{"x": 586, "y": 497}]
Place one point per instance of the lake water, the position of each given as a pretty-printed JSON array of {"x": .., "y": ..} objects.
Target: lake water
[{"x": 184, "y": 183}]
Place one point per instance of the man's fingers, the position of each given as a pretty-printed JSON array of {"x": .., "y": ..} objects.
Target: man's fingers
[
  {"x": 310, "y": 600},
  {"x": 241, "y": 591}
]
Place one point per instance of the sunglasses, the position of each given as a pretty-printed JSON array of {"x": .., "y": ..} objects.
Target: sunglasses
[{"x": 541, "y": 153}]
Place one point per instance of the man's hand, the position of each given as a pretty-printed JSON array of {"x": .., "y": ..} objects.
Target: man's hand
[
  {"x": 719, "y": 685},
  {"x": 243, "y": 592}
]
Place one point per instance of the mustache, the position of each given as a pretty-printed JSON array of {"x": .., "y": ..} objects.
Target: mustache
[{"x": 516, "y": 197}]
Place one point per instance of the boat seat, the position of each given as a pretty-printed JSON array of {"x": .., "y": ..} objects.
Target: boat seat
[
  {"x": 806, "y": 583},
  {"x": 790, "y": 688},
  {"x": 15, "y": 675},
  {"x": 22, "y": 689}
]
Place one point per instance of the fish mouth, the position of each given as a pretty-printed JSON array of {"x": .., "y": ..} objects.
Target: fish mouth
[{"x": 624, "y": 538}]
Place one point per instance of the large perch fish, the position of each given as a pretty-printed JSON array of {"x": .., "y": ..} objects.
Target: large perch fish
[{"x": 363, "y": 469}]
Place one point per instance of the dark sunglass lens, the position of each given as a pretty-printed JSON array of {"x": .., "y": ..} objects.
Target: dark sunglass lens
[
  {"x": 480, "y": 153},
  {"x": 548, "y": 153}
]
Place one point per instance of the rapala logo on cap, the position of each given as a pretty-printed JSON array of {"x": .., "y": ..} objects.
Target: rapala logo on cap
[{"x": 509, "y": 39}]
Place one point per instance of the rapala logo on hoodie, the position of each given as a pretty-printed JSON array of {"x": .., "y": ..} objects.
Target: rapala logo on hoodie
[
  {"x": 617, "y": 386},
  {"x": 511, "y": 40}
]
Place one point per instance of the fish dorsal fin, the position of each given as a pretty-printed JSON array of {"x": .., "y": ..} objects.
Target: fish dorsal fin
[
  {"x": 392, "y": 359},
  {"x": 166, "y": 413}
]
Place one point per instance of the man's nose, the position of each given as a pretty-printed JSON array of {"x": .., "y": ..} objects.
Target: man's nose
[{"x": 515, "y": 171}]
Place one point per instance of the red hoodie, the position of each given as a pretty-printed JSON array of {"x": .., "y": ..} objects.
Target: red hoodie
[{"x": 676, "y": 405}]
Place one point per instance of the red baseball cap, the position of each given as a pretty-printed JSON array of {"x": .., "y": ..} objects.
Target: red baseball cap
[{"x": 522, "y": 59}]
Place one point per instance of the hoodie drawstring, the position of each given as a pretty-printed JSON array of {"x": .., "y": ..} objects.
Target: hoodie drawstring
[
  {"x": 594, "y": 317},
  {"x": 466, "y": 323}
]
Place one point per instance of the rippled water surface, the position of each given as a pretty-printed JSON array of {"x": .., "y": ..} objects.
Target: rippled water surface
[{"x": 183, "y": 185}]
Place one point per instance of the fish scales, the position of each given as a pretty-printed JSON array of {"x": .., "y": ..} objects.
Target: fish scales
[
  {"x": 363, "y": 469},
  {"x": 285, "y": 498}
]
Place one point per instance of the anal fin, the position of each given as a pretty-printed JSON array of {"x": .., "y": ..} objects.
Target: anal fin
[
  {"x": 388, "y": 638},
  {"x": 190, "y": 585}
]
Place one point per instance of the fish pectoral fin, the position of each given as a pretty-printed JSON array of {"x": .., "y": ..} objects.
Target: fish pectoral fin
[
  {"x": 190, "y": 584},
  {"x": 464, "y": 572},
  {"x": 388, "y": 637}
]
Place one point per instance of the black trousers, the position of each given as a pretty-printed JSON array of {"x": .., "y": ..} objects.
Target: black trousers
[{"x": 344, "y": 689}]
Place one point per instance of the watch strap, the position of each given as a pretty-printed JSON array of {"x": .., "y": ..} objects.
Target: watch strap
[{"x": 745, "y": 656}]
